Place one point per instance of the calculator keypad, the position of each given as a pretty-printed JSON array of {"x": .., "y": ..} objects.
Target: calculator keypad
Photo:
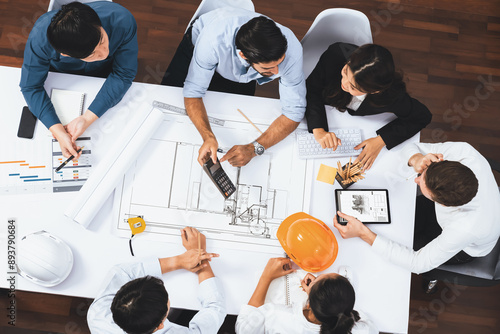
[{"x": 225, "y": 185}]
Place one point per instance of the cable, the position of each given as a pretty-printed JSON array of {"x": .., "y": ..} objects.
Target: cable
[{"x": 130, "y": 244}]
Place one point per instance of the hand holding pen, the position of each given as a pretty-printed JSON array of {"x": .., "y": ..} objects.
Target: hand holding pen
[
  {"x": 195, "y": 243},
  {"x": 69, "y": 159},
  {"x": 306, "y": 282}
]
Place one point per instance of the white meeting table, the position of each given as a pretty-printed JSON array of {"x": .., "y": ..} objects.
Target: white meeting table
[{"x": 382, "y": 289}]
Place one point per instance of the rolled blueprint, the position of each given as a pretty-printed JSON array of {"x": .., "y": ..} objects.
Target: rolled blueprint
[{"x": 113, "y": 166}]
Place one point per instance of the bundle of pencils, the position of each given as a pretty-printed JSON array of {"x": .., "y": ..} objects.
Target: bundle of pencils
[{"x": 350, "y": 173}]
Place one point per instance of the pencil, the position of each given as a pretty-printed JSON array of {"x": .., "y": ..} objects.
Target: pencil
[
  {"x": 340, "y": 170},
  {"x": 69, "y": 159},
  {"x": 199, "y": 246},
  {"x": 249, "y": 121},
  {"x": 349, "y": 168}
]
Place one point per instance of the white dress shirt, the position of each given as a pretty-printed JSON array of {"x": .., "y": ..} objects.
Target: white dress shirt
[
  {"x": 356, "y": 102},
  {"x": 473, "y": 227},
  {"x": 213, "y": 37},
  {"x": 207, "y": 320},
  {"x": 286, "y": 319},
  {"x": 275, "y": 317}
]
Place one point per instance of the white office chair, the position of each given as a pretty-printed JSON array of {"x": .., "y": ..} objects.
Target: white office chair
[
  {"x": 57, "y": 4},
  {"x": 208, "y": 5},
  {"x": 331, "y": 26}
]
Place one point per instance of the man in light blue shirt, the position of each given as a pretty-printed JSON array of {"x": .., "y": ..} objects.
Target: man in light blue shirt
[
  {"x": 240, "y": 46},
  {"x": 97, "y": 39},
  {"x": 134, "y": 299}
]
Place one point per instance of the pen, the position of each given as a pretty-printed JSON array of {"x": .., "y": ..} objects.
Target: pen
[{"x": 69, "y": 159}]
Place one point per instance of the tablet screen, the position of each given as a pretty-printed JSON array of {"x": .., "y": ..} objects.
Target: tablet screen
[{"x": 367, "y": 205}]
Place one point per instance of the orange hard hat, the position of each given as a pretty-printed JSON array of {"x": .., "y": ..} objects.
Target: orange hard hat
[{"x": 308, "y": 242}]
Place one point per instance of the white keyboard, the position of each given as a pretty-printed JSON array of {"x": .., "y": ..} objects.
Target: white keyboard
[{"x": 309, "y": 148}]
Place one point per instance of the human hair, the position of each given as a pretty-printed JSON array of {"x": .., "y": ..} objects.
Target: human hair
[
  {"x": 451, "y": 183},
  {"x": 261, "y": 41},
  {"x": 332, "y": 301},
  {"x": 75, "y": 30},
  {"x": 374, "y": 73},
  {"x": 140, "y": 305}
]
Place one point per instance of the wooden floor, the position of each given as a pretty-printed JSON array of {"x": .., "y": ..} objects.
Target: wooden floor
[
  {"x": 452, "y": 309},
  {"x": 449, "y": 51}
]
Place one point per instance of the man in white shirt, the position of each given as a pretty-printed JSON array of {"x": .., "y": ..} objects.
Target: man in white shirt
[
  {"x": 134, "y": 299},
  {"x": 467, "y": 208}
]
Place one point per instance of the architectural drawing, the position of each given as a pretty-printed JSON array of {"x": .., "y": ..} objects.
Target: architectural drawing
[{"x": 168, "y": 187}]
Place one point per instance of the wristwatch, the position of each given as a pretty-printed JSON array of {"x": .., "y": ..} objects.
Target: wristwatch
[{"x": 258, "y": 148}]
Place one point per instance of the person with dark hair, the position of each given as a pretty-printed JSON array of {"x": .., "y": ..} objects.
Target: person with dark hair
[
  {"x": 456, "y": 216},
  {"x": 141, "y": 305},
  {"x": 327, "y": 307},
  {"x": 229, "y": 50},
  {"x": 362, "y": 81},
  {"x": 134, "y": 300},
  {"x": 97, "y": 39}
]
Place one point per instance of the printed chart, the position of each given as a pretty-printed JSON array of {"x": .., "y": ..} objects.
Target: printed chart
[
  {"x": 28, "y": 167},
  {"x": 72, "y": 176}
]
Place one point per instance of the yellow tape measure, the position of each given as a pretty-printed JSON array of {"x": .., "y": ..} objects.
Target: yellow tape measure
[{"x": 137, "y": 225}]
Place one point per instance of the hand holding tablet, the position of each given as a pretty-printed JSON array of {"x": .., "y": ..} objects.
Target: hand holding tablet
[
  {"x": 370, "y": 206},
  {"x": 353, "y": 228}
]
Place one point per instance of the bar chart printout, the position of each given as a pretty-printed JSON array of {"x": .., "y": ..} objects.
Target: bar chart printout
[
  {"x": 28, "y": 167},
  {"x": 72, "y": 176},
  {"x": 25, "y": 167}
]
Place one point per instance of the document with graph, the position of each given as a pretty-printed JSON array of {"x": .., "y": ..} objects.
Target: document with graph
[
  {"x": 28, "y": 167},
  {"x": 72, "y": 176}
]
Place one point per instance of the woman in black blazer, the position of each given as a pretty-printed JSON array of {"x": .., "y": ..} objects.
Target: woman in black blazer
[{"x": 363, "y": 81}]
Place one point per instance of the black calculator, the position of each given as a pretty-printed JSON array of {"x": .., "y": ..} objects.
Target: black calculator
[{"x": 219, "y": 178}]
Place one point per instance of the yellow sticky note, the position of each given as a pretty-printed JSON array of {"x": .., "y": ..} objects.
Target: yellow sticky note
[{"x": 326, "y": 174}]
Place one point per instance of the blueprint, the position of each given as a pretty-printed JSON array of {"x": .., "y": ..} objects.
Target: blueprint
[{"x": 169, "y": 189}]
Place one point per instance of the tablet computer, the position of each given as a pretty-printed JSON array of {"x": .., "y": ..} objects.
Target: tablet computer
[{"x": 370, "y": 206}]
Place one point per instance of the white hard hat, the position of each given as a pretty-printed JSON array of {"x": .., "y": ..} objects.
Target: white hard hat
[{"x": 44, "y": 259}]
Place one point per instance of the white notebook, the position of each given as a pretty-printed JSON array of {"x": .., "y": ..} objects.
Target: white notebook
[
  {"x": 68, "y": 104},
  {"x": 287, "y": 289}
]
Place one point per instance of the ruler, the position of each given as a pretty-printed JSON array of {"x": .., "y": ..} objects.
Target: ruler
[{"x": 183, "y": 111}]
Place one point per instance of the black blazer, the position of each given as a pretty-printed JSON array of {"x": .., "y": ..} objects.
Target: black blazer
[{"x": 412, "y": 115}]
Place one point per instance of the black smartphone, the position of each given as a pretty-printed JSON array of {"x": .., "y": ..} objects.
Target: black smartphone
[{"x": 27, "y": 124}]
